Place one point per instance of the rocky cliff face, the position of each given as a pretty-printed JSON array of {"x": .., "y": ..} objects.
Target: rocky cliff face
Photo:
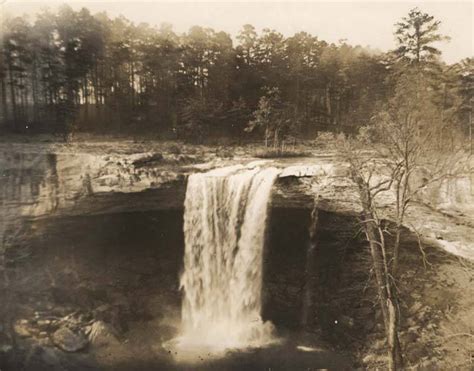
[
  {"x": 102, "y": 228},
  {"x": 37, "y": 181}
]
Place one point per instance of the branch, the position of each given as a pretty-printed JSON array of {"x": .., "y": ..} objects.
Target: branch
[
  {"x": 420, "y": 246},
  {"x": 460, "y": 334}
]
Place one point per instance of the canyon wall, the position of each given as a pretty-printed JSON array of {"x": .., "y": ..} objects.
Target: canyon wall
[{"x": 36, "y": 184}]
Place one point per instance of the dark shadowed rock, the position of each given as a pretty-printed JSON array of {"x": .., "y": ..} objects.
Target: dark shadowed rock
[{"x": 149, "y": 160}]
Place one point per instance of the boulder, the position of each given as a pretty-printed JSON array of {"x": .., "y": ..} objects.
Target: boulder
[
  {"x": 22, "y": 328},
  {"x": 110, "y": 314},
  {"x": 69, "y": 340},
  {"x": 101, "y": 333}
]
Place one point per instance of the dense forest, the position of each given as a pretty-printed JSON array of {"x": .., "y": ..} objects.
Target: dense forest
[{"x": 74, "y": 71}]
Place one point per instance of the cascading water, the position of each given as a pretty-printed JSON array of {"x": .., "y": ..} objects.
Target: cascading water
[{"x": 224, "y": 225}]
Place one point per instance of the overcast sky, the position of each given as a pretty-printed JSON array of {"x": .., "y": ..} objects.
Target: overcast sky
[{"x": 360, "y": 22}]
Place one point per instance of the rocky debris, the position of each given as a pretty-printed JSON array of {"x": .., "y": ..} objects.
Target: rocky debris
[
  {"x": 69, "y": 340},
  {"x": 112, "y": 315},
  {"x": 65, "y": 332},
  {"x": 157, "y": 159},
  {"x": 149, "y": 160},
  {"x": 23, "y": 328},
  {"x": 186, "y": 159},
  {"x": 224, "y": 152},
  {"x": 76, "y": 320},
  {"x": 44, "y": 324},
  {"x": 70, "y": 333},
  {"x": 101, "y": 333},
  {"x": 173, "y": 149}
]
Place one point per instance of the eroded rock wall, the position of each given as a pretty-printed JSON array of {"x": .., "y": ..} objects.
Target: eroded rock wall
[{"x": 38, "y": 184}]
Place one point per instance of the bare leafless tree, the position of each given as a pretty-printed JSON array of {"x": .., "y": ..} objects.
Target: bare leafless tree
[{"x": 403, "y": 159}]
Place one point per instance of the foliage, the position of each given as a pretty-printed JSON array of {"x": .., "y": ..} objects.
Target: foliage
[
  {"x": 326, "y": 139},
  {"x": 274, "y": 117},
  {"x": 198, "y": 117},
  {"x": 73, "y": 70},
  {"x": 416, "y": 34}
]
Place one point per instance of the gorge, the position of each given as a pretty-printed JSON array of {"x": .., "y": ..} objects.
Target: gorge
[{"x": 100, "y": 238}]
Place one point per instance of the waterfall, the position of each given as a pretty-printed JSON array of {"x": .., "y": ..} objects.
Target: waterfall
[{"x": 224, "y": 226}]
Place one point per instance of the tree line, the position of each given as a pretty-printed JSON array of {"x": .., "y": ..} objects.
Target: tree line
[{"x": 76, "y": 71}]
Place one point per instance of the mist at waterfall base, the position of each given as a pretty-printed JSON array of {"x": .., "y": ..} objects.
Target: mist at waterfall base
[{"x": 224, "y": 226}]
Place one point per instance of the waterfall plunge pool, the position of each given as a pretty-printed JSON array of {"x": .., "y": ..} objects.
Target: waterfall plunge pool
[{"x": 126, "y": 267}]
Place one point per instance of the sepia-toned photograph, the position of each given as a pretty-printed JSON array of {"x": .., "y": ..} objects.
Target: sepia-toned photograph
[{"x": 236, "y": 185}]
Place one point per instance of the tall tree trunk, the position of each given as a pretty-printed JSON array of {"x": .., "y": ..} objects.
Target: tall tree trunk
[
  {"x": 86, "y": 101},
  {"x": 4, "y": 100},
  {"x": 328, "y": 103},
  {"x": 401, "y": 200},
  {"x": 386, "y": 292},
  {"x": 12, "y": 94},
  {"x": 132, "y": 78},
  {"x": 34, "y": 90},
  {"x": 396, "y": 249},
  {"x": 297, "y": 105}
]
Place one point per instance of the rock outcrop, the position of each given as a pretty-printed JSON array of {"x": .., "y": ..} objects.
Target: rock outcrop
[{"x": 42, "y": 181}]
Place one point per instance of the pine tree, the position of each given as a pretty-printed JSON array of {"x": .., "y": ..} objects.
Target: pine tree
[{"x": 415, "y": 36}]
